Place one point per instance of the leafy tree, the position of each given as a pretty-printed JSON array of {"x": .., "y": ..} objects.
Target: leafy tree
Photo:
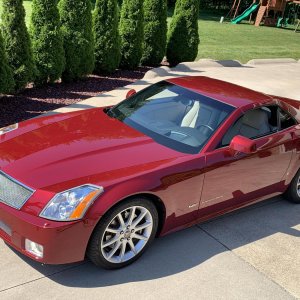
[
  {"x": 155, "y": 30},
  {"x": 47, "y": 41},
  {"x": 172, "y": 2},
  {"x": 183, "y": 35},
  {"x": 132, "y": 33},
  {"x": 6, "y": 75},
  {"x": 17, "y": 42},
  {"x": 106, "y": 35},
  {"x": 76, "y": 27}
]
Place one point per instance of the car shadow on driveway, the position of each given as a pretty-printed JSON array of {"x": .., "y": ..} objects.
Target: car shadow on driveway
[{"x": 186, "y": 249}]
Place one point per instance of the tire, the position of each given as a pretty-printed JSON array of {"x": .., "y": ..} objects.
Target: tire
[
  {"x": 293, "y": 192},
  {"x": 115, "y": 243}
]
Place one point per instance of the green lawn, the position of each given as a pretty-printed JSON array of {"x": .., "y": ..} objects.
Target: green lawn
[
  {"x": 27, "y": 5},
  {"x": 244, "y": 41},
  {"x": 241, "y": 42}
]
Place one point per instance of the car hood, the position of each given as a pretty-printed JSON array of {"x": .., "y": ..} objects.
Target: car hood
[{"x": 77, "y": 148}]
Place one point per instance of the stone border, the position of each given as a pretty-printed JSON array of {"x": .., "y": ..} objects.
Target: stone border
[
  {"x": 271, "y": 61},
  {"x": 211, "y": 63},
  {"x": 164, "y": 72}
]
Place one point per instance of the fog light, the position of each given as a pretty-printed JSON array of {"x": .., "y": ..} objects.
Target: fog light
[{"x": 34, "y": 248}]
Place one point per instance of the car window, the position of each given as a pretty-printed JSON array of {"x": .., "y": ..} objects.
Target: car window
[
  {"x": 253, "y": 124},
  {"x": 173, "y": 116},
  {"x": 286, "y": 120}
]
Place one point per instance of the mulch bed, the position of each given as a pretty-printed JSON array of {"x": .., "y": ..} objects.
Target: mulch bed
[{"x": 35, "y": 101}]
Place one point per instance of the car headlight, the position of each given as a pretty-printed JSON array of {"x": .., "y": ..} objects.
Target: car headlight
[
  {"x": 8, "y": 128},
  {"x": 72, "y": 204}
]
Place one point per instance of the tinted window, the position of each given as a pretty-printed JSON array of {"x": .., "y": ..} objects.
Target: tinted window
[
  {"x": 253, "y": 124},
  {"x": 286, "y": 120},
  {"x": 173, "y": 116}
]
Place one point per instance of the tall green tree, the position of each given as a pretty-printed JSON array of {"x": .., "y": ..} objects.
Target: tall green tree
[
  {"x": 155, "y": 31},
  {"x": 6, "y": 75},
  {"x": 132, "y": 33},
  {"x": 17, "y": 42},
  {"x": 76, "y": 27},
  {"x": 47, "y": 41},
  {"x": 183, "y": 35},
  {"x": 120, "y": 2},
  {"x": 106, "y": 35}
]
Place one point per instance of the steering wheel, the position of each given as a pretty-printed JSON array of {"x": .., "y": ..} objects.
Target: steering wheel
[
  {"x": 207, "y": 126},
  {"x": 182, "y": 133}
]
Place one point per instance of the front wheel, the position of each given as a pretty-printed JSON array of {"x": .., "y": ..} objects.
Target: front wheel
[
  {"x": 123, "y": 234},
  {"x": 293, "y": 192}
]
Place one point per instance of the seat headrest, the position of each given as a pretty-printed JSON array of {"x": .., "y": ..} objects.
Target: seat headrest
[{"x": 191, "y": 117}]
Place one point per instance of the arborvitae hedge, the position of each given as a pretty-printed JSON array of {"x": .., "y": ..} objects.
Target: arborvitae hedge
[
  {"x": 17, "y": 42},
  {"x": 6, "y": 75},
  {"x": 132, "y": 33},
  {"x": 183, "y": 36},
  {"x": 76, "y": 27},
  {"x": 155, "y": 31},
  {"x": 106, "y": 35},
  {"x": 47, "y": 42}
]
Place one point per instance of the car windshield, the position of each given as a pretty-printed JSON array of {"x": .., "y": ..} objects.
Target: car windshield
[{"x": 173, "y": 116}]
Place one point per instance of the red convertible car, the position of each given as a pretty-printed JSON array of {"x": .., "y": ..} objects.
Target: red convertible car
[{"x": 104, "y": 182}]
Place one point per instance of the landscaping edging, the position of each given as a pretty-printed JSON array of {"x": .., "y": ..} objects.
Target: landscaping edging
[
  {"x": 210, "y": 63},
  {"x": 258, "y": 74},
  {"x": 271, "y": 61}
]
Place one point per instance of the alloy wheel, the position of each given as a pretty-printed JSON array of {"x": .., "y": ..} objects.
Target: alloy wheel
[
  {"x": 298, "y": 187},
  {"x": 127, "y": 234}
]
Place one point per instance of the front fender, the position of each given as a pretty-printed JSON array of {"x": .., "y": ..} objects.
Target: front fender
[{"x": 178, "y": 187}]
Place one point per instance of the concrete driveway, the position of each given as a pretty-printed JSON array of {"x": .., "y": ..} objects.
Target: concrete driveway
[
  {"x": 253, "y": 253},
  {"x": 250, "y": 254}
]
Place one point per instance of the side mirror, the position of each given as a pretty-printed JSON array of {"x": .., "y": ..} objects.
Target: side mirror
[
  {"x": 242, "y": 144},
  {"x": 130, "y": 93}
]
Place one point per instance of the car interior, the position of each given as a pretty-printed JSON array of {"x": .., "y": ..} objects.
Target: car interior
[
  {"x": 188, "y": 121},
  {"x": 169, "y": 113},
  {"x": 259, "y": 122}
]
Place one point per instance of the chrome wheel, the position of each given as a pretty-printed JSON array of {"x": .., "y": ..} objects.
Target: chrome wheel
[
  {"x": 127, "y": 234},
  {"x": 298, "y": 187}
]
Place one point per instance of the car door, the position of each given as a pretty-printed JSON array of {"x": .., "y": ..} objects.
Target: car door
[{"x": 235, "y": 179}]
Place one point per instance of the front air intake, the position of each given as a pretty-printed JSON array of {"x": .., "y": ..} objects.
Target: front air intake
[{"x": 12, "y": 192}]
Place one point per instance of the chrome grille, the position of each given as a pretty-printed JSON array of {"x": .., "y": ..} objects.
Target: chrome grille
[{"x": 12, "y": 192}]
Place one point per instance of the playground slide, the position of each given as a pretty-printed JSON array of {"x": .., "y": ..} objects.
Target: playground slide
[{"x": 246, "y": 13}]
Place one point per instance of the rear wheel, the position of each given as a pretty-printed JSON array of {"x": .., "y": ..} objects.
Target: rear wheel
[
  {"x": 123, "y": 234},
  {"x": 293, "y": 192}
]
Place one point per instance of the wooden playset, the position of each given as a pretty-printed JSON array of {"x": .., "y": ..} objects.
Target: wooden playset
[{"x": 269, "y": 12}]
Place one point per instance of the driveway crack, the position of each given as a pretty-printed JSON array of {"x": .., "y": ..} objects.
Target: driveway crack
[
  {"x": 241, "y": 258},
  {"x": 42, "y": 277}
]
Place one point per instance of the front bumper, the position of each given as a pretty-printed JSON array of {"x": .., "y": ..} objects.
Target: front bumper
[{"x": 63, "y": 242}]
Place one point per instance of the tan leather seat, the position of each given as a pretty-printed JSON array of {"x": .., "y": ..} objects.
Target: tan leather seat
[
  {"x": 191, "y": 117},
  {"x": 253, "y": 123}
]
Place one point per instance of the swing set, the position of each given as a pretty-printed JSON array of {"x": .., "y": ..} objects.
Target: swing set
[
  {"x": 291, "y": 15},
  {"x": 278, "y": 13}
]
